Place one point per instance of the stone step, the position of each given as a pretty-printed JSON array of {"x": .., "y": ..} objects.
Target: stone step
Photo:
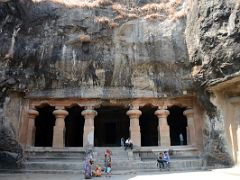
[
  {"x": 175, "y": 164},
  {"x": 71, "y": 160},
  {"x": 70, "y": 165},
  {"x": 26, "y": 171}
]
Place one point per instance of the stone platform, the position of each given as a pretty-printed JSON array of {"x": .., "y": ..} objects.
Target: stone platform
[{"x": 70, "y": 160}]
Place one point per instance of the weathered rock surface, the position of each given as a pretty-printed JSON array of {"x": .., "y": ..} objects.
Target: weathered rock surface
[
  {"x": 50, "y": 49},
  {"x": 212, "y": 34}
]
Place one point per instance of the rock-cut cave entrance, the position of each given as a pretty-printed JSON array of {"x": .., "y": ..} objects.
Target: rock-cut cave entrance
[
  {"x": 44, "y": 124},
  {"x": 110, "y": 124},
  {"x": 74, "y": 124},
  {"x": 149, "y": 126},
  {"x": 177, "y": 123}
]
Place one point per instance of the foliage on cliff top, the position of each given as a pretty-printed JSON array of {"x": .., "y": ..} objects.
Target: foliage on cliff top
[{"x": 127, "y": 10}]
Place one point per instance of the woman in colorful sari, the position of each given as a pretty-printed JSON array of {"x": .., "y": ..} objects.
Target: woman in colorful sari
[
  {"x": 107, "y": 159},
  {"x": 87, "y": 168}
]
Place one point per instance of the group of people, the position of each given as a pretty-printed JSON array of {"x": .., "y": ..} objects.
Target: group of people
[
  {"x": 88, "y": 163},
  {"x": 126, "y": 144},
  {"x": 163, "y": 160}
]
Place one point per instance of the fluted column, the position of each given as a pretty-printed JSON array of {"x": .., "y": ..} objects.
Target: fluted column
[
  {"x": 134, "y": 129},
  {"x": 88, "y": 134},
  {"x": 32, "y": 114},
  {"x": 163, "y": 128},
  {"x": 191, "y": 137},
  {"x": 59, "y": 128}
]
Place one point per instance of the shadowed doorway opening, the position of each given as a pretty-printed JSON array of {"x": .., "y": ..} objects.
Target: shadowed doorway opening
[
  {"x": 110, "y": 124},
  {"x": 177, "y": 123},
  {"x": 149, "y": 126},
  {"x": 44, "y": 124},
  {"x": 74, "y": 124}
]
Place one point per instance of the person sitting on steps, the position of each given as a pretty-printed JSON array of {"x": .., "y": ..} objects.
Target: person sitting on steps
[
  {"x": 128, "y": 143},
  {"x": 160, "y": 161},
  {"x": 166, "y": 159}
]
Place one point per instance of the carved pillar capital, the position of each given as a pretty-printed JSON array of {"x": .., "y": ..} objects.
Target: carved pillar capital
[
  {"x": 89, "y": 113},
  {"x": 32, "y": 113},
  {"x": 162, "y": 113},
  {"x": 134, "y": 113},
  {"x": 188, "y": 113},
  {"x": 60, "y": 113}
]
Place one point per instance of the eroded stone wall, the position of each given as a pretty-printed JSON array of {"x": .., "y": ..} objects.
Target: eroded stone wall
[{"x": 51, "y": 49}]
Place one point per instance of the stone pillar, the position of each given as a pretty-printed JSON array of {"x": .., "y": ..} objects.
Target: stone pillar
[
  {"x": 134, "y": 129},
  {"x": 238, "y": 142},
  {"x": 59, "y": 128},
  {"x": 191, "y": 137},
  {"x": 235, "y": 102},
  {"x": 163, "y": 128},
  {"x": 88, "y": 134},
  {"x": 32, "y": 114}
]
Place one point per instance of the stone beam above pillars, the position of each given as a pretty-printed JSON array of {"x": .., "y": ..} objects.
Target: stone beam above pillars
[
  {"x": 163, "y": 128},
  {"x": 88, "y": 134},
  {"x": 32, "y": 114},
  {"x": 134, "y": 129},
  {"x": 191, "y": 137},
  {"x": 59, "y": 128}
]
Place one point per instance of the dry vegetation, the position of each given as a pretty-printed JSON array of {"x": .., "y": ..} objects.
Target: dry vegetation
[
  {"x": 164, "y": 9},
  {"x": 81, "y": 3}
]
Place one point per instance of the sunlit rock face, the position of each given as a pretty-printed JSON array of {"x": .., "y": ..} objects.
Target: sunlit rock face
[
  {"x": 212, "y": 36},
  {"x": 62, "y": 49},
  {"x": 213, "y": 39},
  {"x": 48, "y": 48}
]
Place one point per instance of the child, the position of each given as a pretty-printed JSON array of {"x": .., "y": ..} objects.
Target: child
[
  {"x": 98, "y": 171},
  {"x": 109, "y": 169}
]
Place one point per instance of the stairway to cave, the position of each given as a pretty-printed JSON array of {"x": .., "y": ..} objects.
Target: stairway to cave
[{"x": 70, "y": 160}]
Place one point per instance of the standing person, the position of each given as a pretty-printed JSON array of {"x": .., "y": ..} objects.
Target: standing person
[
  {"x": 122, "y": 142},
  {"x": 87, "y": 168},
  {"x": 181, "y": 139},
  {"x": 126, "y": 144},
  {"x": 109, "y": 168},
  {"x": 107, "y": 159}
]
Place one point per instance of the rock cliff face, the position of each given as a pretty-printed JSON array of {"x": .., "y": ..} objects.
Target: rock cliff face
[
  {"x": 140, "y": 48},
  {"x": 212, "y": 36}
]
